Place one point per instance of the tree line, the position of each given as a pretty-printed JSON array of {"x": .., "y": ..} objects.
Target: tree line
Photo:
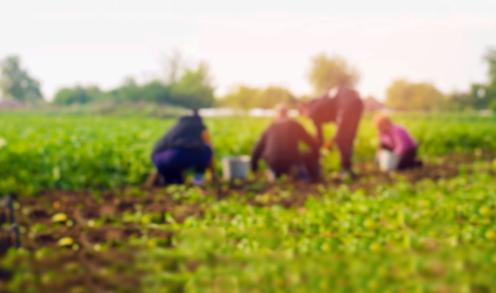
[
  {"x": 425, "y": 96},
  {"x": 192, "y": 87},
  {"x": 184, "y": 86}
]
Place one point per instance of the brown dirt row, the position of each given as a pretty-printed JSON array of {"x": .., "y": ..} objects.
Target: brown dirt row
[
  {"x": 94, "y": 219},
  {"x": 83, "y": 208}
]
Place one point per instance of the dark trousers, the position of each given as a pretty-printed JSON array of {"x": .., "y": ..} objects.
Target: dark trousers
[
  {"x": 307, "y": 166},
  {"x": 409, "y": 160},
  {"x": 348, "y": 129},
  {"x": 171, "y": 163}
]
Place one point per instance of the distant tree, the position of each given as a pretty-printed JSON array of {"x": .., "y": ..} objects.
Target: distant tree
[
  {"x": 152, "y": 92},
  {"x": 490, "y": 57},
  {"x": 129, "y": 91},
  {"x": 274, "y": 95},
  {"x": 77, "y": 95},
  {"x": 458, "y": 101},
  {"x": 490, "y": 89},
  {"x": 194, "y": 88},
  {"x": 185, "y": 87},
  {"x": 304, "y": 98},
  {"x": 17, "y": 84},
  {"x": 480, "y": 95},
  {"x": 156, "y": 92},
  {"x": 413, "y": 96},
  {"x": 245, "y": 97},
  {"x": 242, "y": 97},
  {"x": 329, "y": 72}
]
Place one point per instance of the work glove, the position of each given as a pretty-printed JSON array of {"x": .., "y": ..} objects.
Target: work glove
[{"x": 328, "y": 145}]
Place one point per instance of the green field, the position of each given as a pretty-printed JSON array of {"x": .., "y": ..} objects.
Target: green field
[
  {"x": 76, "y": 153},
  {"x": 87, "y": 225}
]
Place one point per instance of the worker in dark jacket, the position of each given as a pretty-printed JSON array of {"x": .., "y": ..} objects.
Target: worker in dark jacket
[
  {"x": 279, "y": 148},
  {"x": 345, "y": 109},
  {"x": 187, "y": 145}
]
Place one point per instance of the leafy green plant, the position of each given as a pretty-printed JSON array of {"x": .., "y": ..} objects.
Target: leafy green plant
[{"x": 74, "y": 153}]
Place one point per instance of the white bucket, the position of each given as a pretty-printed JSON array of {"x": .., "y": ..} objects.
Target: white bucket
[
  {"x": 388, "y": 161},
  {"x": 235, "y": 167}
]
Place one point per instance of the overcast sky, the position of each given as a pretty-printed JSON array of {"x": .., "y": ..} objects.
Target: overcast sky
[{"x": 63, "y": 43}]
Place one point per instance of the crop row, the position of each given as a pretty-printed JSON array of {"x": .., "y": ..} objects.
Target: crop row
[
  {"x": 431, "y": 236},
  {"x": 75, "y": 153}
]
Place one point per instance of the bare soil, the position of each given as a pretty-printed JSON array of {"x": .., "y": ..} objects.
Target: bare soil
[
  {"x": 95, "y": 219},
  {"x": 83, "y": 208}
]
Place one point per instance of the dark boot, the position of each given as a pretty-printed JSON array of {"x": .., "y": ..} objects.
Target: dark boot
[
  {"x": 9, "y": 237},
  {"x": 5, "y": 275},
  {"x": 154, "y": 180},
  {"x": 312, "y": 165},
  {"x": 6, "y": 210}
]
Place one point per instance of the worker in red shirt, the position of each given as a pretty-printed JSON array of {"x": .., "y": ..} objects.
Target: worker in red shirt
[
  {"x": 345, "y": 109},
  {"x": 279, "y": 148}
]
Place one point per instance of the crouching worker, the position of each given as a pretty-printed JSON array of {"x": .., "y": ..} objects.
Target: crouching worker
[
  {"x": 395, "y": 138},
  {"x": 279, "y": 148},
  {"x": 187, "y": 145}
]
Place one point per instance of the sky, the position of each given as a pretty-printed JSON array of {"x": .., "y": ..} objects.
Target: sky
[{"x": 256, "y": 43}]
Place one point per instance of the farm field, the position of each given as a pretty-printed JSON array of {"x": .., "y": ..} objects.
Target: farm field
[
  {"x": 87, "y": 225},
  {"x": 80, "y": 153}
]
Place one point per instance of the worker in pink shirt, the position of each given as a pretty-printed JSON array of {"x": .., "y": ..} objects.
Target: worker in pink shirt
[{"x": 396, "y": 138}]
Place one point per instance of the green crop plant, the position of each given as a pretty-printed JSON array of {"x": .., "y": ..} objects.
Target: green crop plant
[
  {"x": 79, "y": 152},
  {"x": 428, "y": 236}
]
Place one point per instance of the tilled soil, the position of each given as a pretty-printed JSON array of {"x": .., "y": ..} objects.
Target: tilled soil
[
  {"x": 89, "y": 220},
  {"x": 83, "y": 209},
  {"x": 368, "y": 177},
  {"x": 92, "y": 219}
]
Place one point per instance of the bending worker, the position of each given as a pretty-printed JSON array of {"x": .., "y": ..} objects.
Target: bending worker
[
  {"x": 345, "y": 109},
  {"x": 279, "y": 148},
  {"x": 396, "y": 138},
  {"x": 187, "y": 145}
]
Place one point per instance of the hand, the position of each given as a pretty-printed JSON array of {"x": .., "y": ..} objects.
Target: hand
[
  {"x": 329, "y": 145},
  {"x": 259, "y": 174}
]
